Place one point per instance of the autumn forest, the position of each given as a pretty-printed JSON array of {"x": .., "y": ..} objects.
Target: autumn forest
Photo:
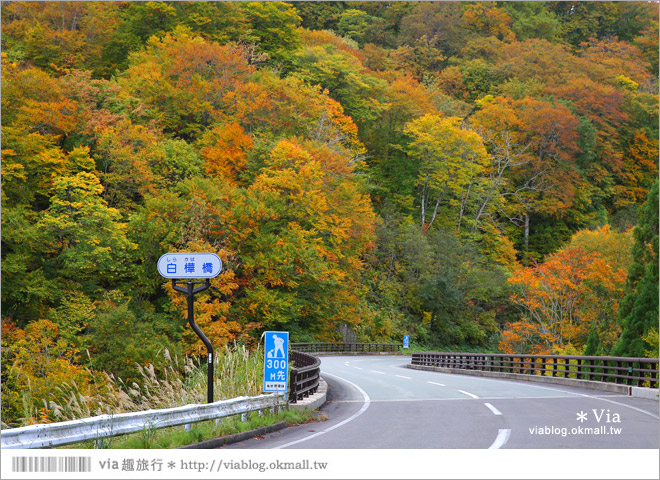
[{"x": 482, "y": 176}]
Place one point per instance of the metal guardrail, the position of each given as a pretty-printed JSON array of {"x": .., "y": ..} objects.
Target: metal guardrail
[
  {"x": 305, "y": 375},
  {"x": 103, "y": 426},
  {"x": 620, "y": 370},
  {"x": 304, "y": 381},
  {"x": 312, "y": 347}
]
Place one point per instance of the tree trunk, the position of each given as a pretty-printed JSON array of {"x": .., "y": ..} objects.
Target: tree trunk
[{"x": 526, "y": 232}]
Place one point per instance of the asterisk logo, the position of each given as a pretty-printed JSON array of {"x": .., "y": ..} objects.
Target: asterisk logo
[
  {"x": 582, "y": 416},
  {"x": 171, "y": 465}
]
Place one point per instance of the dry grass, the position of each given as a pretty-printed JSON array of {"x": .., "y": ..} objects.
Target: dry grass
[{"x": 237, "y": 372}]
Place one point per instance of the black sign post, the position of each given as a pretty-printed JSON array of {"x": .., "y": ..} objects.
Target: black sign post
[{"x": 190, "y": 290}]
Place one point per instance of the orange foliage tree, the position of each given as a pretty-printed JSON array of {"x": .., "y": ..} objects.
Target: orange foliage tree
[
  {"x": 522, "y": 337},
  {"x": 37, "y": 362},
  {"x": 313, "y": 225},
  {"x": 565, "y": 296}
]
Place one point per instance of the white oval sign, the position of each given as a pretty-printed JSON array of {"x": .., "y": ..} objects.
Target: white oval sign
[{"x": 189, "y": 265}]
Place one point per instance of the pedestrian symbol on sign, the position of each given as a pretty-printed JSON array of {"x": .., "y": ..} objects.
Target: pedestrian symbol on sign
[{"x": 279, "y": 347}]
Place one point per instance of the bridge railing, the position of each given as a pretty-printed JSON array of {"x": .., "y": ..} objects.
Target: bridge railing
[
  {"x": 620, "y": 370},
  {"x": 314, "y": 347},
  {"x": 305, "y": 375}
]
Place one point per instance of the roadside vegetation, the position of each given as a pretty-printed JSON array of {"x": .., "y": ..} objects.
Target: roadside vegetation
[
  {"x": 174, "y": 437},
  {"x": 238, "y": 372}
]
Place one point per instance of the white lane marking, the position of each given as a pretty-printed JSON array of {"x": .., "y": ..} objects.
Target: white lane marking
[
  {"x": 376, "y": 371},
  {"x": 403, "y": 376},
  {"x": 402, "y": 400},
  {"x": 357, "y": 368},
  {"x": 435, "y": 383},
  {"x": 493, "y": 409},
  {"x": 502, "y": 438},
  {"x": 365, "y": 405},
  {"x": 456, "y": 399},
  {"x": 573, "y": 394},
  {"x": 468, "y": 394}
]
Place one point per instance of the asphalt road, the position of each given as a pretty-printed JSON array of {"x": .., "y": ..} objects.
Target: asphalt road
[{"x": 376, "y": 402}]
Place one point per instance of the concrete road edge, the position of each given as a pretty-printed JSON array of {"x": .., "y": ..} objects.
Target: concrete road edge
[{"x": 313, "y": 401}]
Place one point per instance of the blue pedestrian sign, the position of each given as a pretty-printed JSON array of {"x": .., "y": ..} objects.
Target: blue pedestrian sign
[
  {"x": 406, "y": 341},
  {"x": 276, "y": 361},
  {"x": 189, "y": 265}
]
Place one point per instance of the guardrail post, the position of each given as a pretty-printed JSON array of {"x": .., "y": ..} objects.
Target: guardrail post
[
  {"x": 578, "y": 373},
  {"x": 293, "y": 388},
  {"x": 629, "y": 380}
]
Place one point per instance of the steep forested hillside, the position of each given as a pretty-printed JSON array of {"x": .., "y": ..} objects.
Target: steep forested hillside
[{"x": 469, "y": 173}]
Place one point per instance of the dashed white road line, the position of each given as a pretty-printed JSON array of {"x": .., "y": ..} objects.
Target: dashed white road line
[
  {"x": 468, "y": 394},
  {"x": 570, "y": 394},
  {"x": 436, "y": 383},
  {"x": 403, "y": 376},
  {"x": 376, "y": 371},
  {"x": 493, "y": 409},
  {"x": 502, "y": 438}
]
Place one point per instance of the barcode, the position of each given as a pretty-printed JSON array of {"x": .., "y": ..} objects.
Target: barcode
[{"x": 51, "y": 464}]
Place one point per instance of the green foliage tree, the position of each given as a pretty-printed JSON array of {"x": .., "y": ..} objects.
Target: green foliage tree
[
  {"x": 86, "y": 238},
  {"x": 533, "y": 20},
  {"x": 273, "y": 25},
  {"x": 435, "y": 31},
  {"x": 341, "y": 73},
  {"x": 436, "y": 287},
  {"x": 118, "y": 338},
  {"x": 354, "y": 24},
  {"x": 450, "y": 159},
  {"x": 320, "y": 15},
  {"x": 638, "y": 312},
  {"x": 581, "y": 21}
]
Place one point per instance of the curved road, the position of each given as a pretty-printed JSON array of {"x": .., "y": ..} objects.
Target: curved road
[{"x": 376, "y": 402}]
